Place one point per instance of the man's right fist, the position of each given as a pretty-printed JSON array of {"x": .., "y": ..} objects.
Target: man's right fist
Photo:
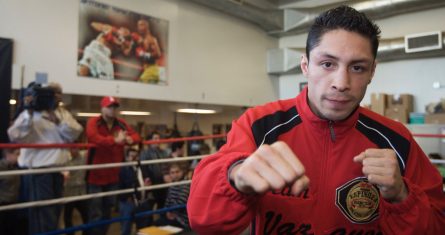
[{"x": 270, "y": 167}]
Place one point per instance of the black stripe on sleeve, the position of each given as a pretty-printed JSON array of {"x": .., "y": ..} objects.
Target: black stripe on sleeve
[
  {"x": 267, "y": 129},
  {"x": 385, "y": 137}
]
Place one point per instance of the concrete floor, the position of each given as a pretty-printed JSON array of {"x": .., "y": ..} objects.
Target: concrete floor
[{"x": 114, "y": 228}]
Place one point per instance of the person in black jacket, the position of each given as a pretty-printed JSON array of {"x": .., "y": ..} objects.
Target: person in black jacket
[
  {"x": 130, "y": 203},
  {"x": 9, "y": 188}
]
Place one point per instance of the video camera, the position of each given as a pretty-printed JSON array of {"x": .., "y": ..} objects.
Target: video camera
[{"x": 43, "y": 98}]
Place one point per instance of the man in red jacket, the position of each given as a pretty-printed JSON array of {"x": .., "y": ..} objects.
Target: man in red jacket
[
  {"x": 110, "y": 134},
  {"x": 319, "y": 163}
]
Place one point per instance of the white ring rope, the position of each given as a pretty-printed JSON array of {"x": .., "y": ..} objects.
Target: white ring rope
[
  {"x": 95, "y": 166},
  {"x": 88, "y": 196},
  {"x": 113, "y": 165},
  {"x": 437, "y": 161},
  {"x": 102, "y": 194}
]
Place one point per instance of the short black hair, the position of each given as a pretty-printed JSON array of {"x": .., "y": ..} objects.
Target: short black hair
[
  {"x": 177, "y": 145},
  {"x": 153, "y": 133},
  {"x": 175, "y": 164},
  {"x": 131, "y": 150},
  {"x": 343, "y": 17}
]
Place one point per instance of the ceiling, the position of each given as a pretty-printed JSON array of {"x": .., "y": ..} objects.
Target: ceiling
[
  {"x": 288, "y": 17},
  {"x": 276, "y": 4},
  {"x": 280, "y": 18}
]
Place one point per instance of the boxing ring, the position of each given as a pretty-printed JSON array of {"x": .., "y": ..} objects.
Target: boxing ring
[{"x": 138, "y": 163}]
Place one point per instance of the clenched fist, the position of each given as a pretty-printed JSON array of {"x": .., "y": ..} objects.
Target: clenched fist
[
  {"x": 381, "y": 168},
  {"x": 270, "y": 167}
]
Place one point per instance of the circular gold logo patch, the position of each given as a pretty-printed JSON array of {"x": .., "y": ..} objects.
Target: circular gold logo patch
[
  {"x": 358, "y": 200},
  {"x": 362, "y": 200}
]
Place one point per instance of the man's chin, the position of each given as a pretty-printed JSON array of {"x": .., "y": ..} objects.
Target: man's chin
[{"x": 333, "y": 115}]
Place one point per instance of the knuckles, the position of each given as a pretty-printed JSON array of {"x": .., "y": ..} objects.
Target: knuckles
[
  {"x": 264, "y": 155},
  {"x": 290, "y": 177},
  {"x": 279, "y": 145},
  {"x": 279, "y": 184}
]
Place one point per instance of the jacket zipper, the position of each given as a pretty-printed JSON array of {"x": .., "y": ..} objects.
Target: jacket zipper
[
  {"x": 321, "y": 197},
  {"x": 331, "y": 130},
  {"x": 325, "y": 167}
]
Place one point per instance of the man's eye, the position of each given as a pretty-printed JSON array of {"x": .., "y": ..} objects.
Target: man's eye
[
  {"x": 326, "y": 64},
  {"x": 357, "y": 68}
]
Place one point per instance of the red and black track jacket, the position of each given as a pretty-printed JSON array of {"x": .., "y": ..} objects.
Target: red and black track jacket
[
  {"x": 339, "y": 200},
  {"x": 107, "y": 151}
]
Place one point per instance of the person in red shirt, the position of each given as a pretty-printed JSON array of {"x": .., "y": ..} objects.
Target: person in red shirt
[
  {"x": 320, "y": 163},
  {"x": 110, "y": 134}
]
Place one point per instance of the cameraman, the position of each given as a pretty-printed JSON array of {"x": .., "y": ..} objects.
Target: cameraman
[{"x": 40, "y": 123}]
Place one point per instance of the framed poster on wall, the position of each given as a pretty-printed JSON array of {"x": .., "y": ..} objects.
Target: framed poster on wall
[{"x": 118, "y": 44}]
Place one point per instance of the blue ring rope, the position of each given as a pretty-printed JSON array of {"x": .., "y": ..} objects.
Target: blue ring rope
[{"x": 110, "y": 221}]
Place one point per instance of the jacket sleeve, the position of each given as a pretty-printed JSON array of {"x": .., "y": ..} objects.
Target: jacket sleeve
[
  {"x": 168, "y": 199},
  {"x": 214, "y": 206},
  {"x": 133, "y": 134},
  {"x": 21, "y": 128},
  {"x": 68, "y": 128},
  {"x": 423, "y": 211},
  {"x": 96, "y": 138}
]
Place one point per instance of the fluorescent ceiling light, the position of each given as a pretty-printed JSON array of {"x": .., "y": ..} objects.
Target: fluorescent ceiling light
[
  {"x": 12, "y": 101},
  {"x": 88, "y": 114},
  {"x": 198, "y": 111},
  {"x": 135, "y": 113}
]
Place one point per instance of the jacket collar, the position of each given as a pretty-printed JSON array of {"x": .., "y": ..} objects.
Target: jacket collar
[
  {"x": 320, "y": 125},
  {"x": 102, "y": 122}
]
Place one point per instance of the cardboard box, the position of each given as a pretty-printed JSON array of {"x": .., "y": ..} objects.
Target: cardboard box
[
  {"x": 379, "y": 102},
  {"x": 437, "y": 118},
  {"x": 401, "y": 101},
  {"x": 398, "y": 114}
]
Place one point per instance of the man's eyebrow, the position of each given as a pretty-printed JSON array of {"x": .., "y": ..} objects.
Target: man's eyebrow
[
  {"x": 322, "y": 55},
  {"x": 360, "y": 60}
]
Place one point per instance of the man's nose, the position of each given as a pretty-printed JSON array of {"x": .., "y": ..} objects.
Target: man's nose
[{"x": 341, "y": 80}]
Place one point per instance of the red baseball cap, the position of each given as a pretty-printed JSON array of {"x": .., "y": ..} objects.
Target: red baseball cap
[{"x": 108, "y": 101}]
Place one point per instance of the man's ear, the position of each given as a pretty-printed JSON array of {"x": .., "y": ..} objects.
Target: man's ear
[{"x": 304, "y": 63}]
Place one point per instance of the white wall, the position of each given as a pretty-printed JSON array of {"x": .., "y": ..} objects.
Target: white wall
[
  {"x": 405, "y": 76},
  {"x": 213, "y": 58},
  {"x": 411, "y": 76}
]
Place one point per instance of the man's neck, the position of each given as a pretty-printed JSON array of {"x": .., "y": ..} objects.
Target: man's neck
[{"x": 109, "y": 120}]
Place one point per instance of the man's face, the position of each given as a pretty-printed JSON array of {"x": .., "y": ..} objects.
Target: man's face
[
  {"x": 180, "y": 151},
  {"x": 12, "y": 156},
  {"x": 123, "y": 36},
  {"x": 338, "y": 71},
  {"x": 142, "y": 26},
  {"x": 132, "y": 155},
  {"x": 110, "y": 111},
  {"x": 176, "y": 173},
  {"x": 58, "y": 96},
  {"x": 155, "y": 137}
]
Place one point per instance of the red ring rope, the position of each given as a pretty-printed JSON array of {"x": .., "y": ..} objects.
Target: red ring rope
[{"x": 77, "y": 145}]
